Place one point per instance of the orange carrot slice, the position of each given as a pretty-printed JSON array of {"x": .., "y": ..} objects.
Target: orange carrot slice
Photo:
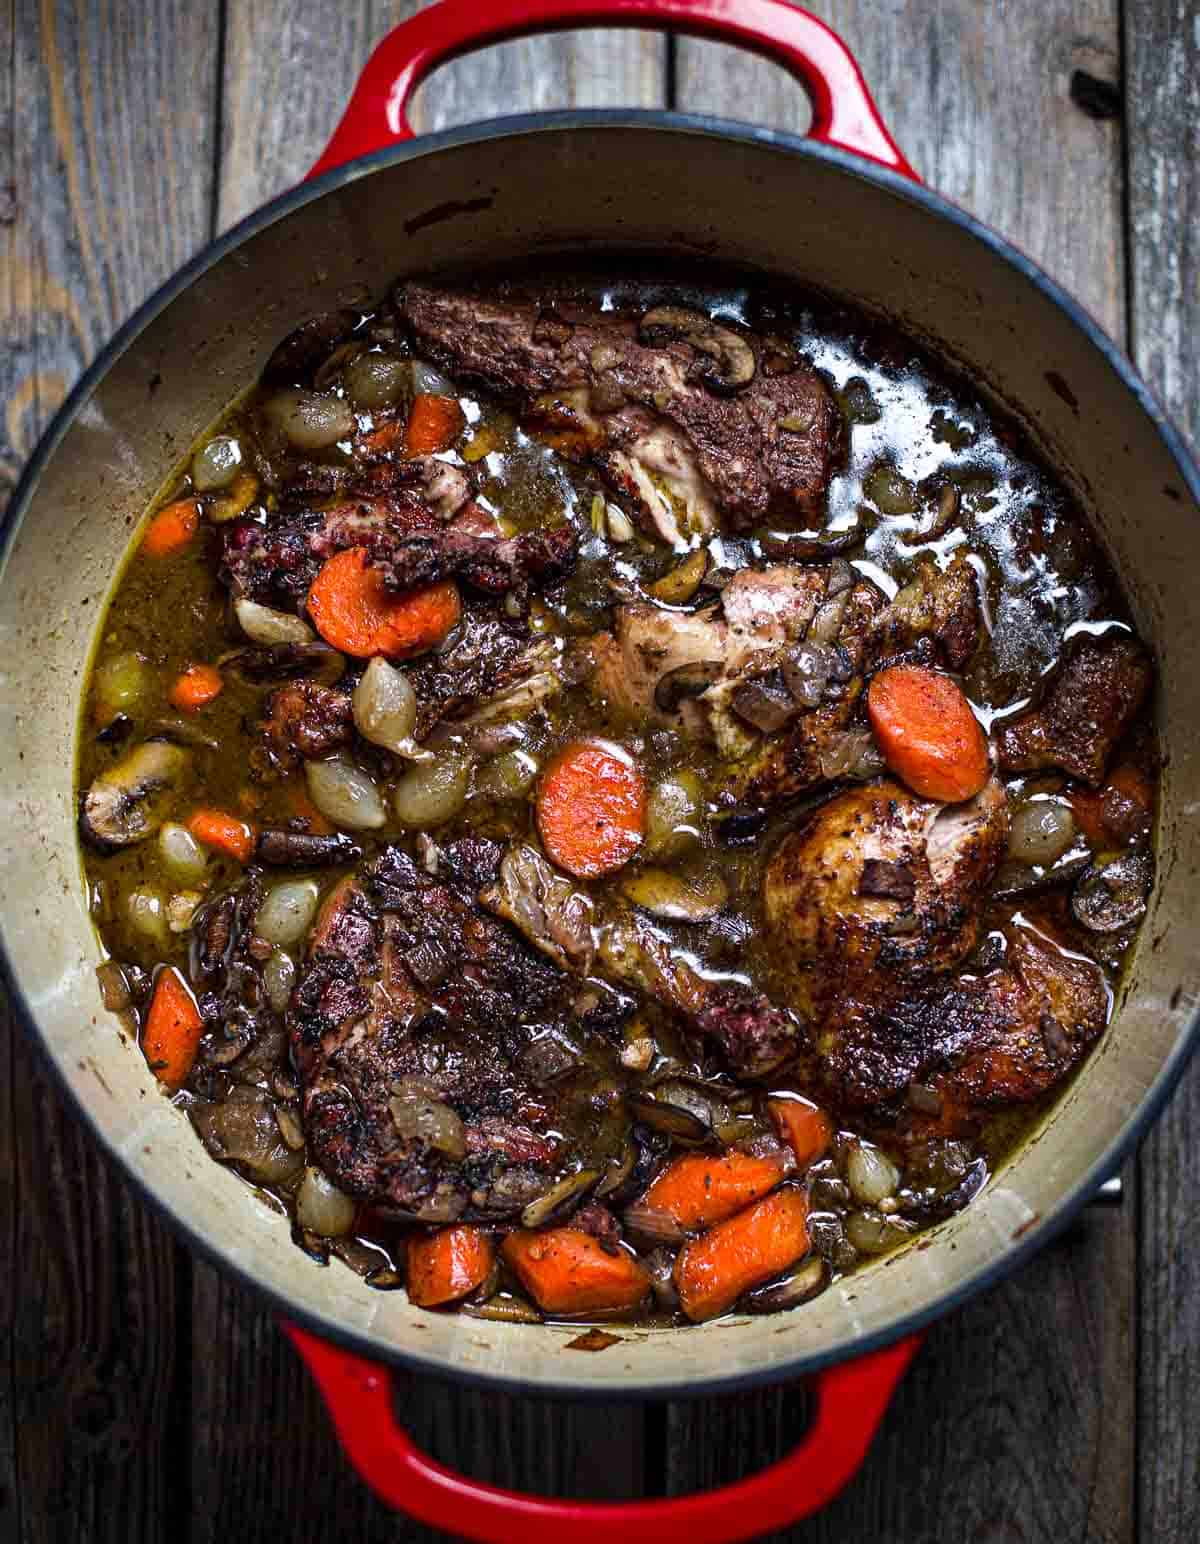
[
  {"x": 591, "y": 808},
  {"x": 172, "y": 1030},
  {"x": 565, "y": 1270},
  {"x": 446, "y": 1265},
  {"x": 172, "y": 528},
  {"x": 196, "y": 687},
  {"x": 807, "y": 1130},
  {"x": 433, "y": 424},
  {"x": 697, "y": 1190},
  {"x": 355, "y": 613},
  {"x": 927, "y": 733},
  {"x": 713, "y": 1271},
  {"x": 225, "y": 832}
]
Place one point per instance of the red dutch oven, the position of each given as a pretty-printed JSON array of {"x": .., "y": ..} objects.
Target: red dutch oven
[{"x": 839, "y": 209}]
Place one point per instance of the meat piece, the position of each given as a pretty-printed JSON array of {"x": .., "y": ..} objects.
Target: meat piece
[
  {"x": 942, "y": 604},
  {"x": 305, "y": 719},
  {"x": 639, "y": 400},
  {"x": 979, "y": 1042},
  {"x": 596, "y": 1219},
  {"x": 838, "y": 937},
  {"x": 544, "y": 906},
  {"x": 491, "y": 670},
  {"x": 1083, "y": 713},
  {"x": 409, "y": 986},
  {"x": 649, "y": 644},
  {"x": 486, "y": 564},
  {"x": 753, "y": 1035},
  {"x": 772, "y": 605}
]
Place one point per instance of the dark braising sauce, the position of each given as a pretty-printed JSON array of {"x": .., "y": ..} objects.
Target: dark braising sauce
[{"x": 648, "y": 943}]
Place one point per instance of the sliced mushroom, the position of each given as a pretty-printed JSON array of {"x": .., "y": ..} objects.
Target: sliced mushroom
[
  {"x": 281, "y": 661},
  {"x": 685, "y": 681},
  {"x": 666, "y": 894},
  {"x": 303, "y": 849},
  {"x": 296, "y": 359},
  {"x": 798, "y": 1286},
  {"x": 560, "y": 1200},
  {"x": 1014, "y": 879},
  {"x": 765, "y": 703},
  {"x": 728, "y": 359},
  {"x": 670, "y": 1119},
  {"x": 1113, "y": 895},
  {"x": 119, "y": 807},
  {"x": 815, "y": 547},
  {"x": 678, "y": 586}
]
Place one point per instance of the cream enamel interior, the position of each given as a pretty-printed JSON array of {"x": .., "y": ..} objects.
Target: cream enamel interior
[{"x": 550, "y": 187}]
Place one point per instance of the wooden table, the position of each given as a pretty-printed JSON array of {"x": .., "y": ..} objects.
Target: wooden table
[{"x": 142, "y": 1396}]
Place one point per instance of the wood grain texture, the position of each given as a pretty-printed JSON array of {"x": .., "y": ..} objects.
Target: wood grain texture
[
  {"x": 1162, "y": 104},
  {"x": 978, "y": 97},
  {"x": 89, "y": 1391},
  {"x": 290, "y": 66}
]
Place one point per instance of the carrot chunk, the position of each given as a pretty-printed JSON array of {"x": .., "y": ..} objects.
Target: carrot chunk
[
  {"x": 927, "y": 733},
  {"x": 565, "y": 1270},
  {"x": 172, "y": 528},
  {"x": 198, "y": 685},
  {"x": 172, "y": 1031},
  {"x": 356, "y": 614},
  {"x": 225, "y": 832},
  {"x": 387, "y": 437},
  {"x": 446, "y": 1265},
  {"x": 697, "y": 1190},
  {"x": 713, "y": 1271},
  {"x": 591, "y": 808},
  {"x": 433, "y": 424},
  {"x": 807, "y": 1130}
]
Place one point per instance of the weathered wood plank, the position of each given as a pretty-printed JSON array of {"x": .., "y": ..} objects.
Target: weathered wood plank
[
  {"x": 289, "y": 68},
  {"x": 1162, "y": 107},
  {"x": 975, "y": 96},
  {"x": 88, "y": 1379}
]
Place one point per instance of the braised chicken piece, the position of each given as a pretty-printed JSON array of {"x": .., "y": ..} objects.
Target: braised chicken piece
[
  {"x": 634, "y": 826},
  {"x": 878, "y": 892}
]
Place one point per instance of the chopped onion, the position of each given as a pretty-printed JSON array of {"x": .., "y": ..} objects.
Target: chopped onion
[
  {"x": 673, "y": 813},
  {"x": 287, "y": 911},
  {"x": 120, "y": 682},
  {"x": 321, "y": 1207},
  {"x": 345, "y": 794},
  {"x": 182, "y": 854},
  {"x": 430, "y": 382},
  {"x": 265, "y": 625},
  {"x": 1041, "y": 831},
  {"x": 148, "y": 913},
  {"x": 870, "y": 1174},
  {"x": 309, "y": 420},
  {"x": 279, "y": 976},
  {"x": 871, "y": 1233},
  {"x": 377, "y": 380},
  {"x": 418, "y": 1117},
  {"x": 216, "y": 464},
  {"x": 385, "y": 710},
  {"x": 434, "y": 792},
  {"x": 181, "y": 908}
]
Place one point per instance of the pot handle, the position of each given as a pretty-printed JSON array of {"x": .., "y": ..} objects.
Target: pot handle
[
  {"x": 844, "y": 114},
  {"x": 851, "y": 1400}
]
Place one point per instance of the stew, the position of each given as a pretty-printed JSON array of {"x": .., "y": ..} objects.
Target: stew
[{"x": 611, "y": 796}]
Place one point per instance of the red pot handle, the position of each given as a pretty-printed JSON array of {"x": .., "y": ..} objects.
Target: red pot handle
[
  {"x": 851, "y": 1400},
  {"x": 843, "y": 111}
]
